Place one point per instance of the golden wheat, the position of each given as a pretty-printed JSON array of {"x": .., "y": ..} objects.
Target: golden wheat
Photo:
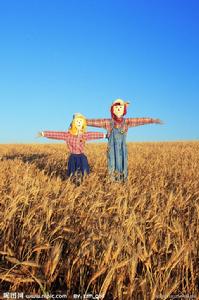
[{"x": 137, "y": 240}]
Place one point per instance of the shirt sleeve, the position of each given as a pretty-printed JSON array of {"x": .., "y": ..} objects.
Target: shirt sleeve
[
  {"x": 58, "y": 135},
  {"x": 131, "y": 122},
  {"x": 94, "y": 135},
  {"x": 102, "y": 123}
]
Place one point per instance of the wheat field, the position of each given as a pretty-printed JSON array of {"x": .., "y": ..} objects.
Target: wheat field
[{"x": 132, "y": 240}]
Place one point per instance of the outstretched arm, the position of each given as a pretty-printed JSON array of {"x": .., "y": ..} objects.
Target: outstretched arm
[
  {"x": 131, "y": 122},
  {"x": 94, "y": 135},
  {"x": 102, "y": 123},
  {"x": 58, "y": 135}
]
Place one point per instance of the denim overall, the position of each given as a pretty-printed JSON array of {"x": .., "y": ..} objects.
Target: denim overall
[{"x": 117, "y": 153}]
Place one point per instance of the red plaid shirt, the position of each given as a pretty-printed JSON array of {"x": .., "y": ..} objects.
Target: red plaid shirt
[
  {"x": 128, "y": 122},
  {"x": 75, "y": 142}
]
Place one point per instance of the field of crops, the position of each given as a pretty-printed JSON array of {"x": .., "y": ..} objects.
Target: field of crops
[{"x": 132, "y": 240}]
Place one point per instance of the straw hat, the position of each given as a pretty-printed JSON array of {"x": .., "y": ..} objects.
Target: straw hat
[{"x": 121, "y": 102}]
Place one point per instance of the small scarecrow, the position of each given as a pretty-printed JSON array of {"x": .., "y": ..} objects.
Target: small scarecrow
[
  {"x": 117, "y": 128},
  {"x": 75, "y": 138}
]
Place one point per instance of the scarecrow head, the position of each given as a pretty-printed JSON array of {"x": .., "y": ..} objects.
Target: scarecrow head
[
  {"x": 78, "y": 124},
  {"x": 119, "y": 109}
]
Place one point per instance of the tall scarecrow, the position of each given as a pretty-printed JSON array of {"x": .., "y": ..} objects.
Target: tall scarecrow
[
  {"x": 117, "y": 127},
  {"x": 75, "y": 138}
]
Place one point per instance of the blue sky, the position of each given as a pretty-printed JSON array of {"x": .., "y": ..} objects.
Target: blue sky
[{"x": 58, "y": 57}]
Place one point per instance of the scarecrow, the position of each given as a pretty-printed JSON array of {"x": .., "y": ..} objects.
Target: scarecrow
[
  {"x": 117, "y": 127},
  {"x": 75, "y": 138}
]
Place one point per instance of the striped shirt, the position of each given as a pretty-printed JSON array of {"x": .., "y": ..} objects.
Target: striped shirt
[{"x": 75, "y": 142}]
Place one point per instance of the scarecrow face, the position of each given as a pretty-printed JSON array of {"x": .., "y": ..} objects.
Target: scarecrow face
[
  {"x": 118, "y": 110},
  {"x": 79, "y": 123}
]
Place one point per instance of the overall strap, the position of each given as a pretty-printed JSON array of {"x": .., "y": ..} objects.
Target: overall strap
[
  {"x": 112, "y": 124},
  {"x": 124, "y": 127}
]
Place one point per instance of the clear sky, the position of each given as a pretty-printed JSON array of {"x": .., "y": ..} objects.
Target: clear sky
[{"x": 58, "y": 57}]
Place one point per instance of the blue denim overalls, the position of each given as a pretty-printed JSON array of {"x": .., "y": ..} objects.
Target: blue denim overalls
[{"x": 117, "y": 153}]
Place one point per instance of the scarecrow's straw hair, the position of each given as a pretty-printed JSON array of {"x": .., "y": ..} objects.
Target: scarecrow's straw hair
[{"x": 73, "y": 129}]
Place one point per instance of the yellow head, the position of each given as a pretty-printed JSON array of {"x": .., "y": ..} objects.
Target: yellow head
[{"x": 78, "y": 124}]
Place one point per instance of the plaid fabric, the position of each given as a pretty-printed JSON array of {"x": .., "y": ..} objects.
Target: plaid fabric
[
  {"x": 75, "y": 143},
  {"x": 57, "y": 135},
  {"x": 102, "y": 123},
  {"x": 129, "y": 122},
  {"x": 93, "y": 135}
]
